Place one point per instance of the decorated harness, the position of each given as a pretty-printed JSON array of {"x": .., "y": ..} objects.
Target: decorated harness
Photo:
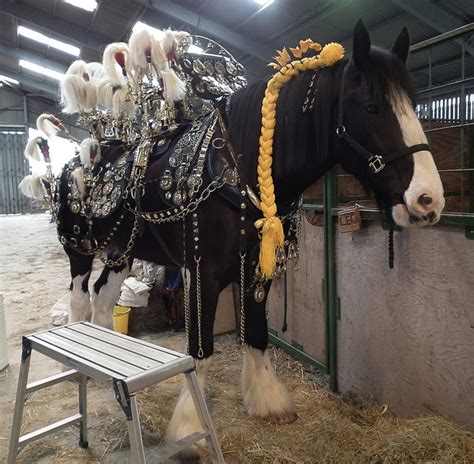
[{"x": 161, "y": 98}]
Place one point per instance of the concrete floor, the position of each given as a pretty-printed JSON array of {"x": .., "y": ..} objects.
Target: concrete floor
[{"x": 34, "y": 274}]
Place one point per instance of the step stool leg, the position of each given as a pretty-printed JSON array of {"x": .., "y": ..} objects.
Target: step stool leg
[
  {"x": 83, "y": 443},
  {"x": 200, "y": 404},
  {"x": 130, "y": 407},
  {"x": 20, "y": 400},
  {"x": 135, "y": 433}
]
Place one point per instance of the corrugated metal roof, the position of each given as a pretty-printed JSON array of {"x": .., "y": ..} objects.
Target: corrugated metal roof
[{"x": 281, "y": 23}]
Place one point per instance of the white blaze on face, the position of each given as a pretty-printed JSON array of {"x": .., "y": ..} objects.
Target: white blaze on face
[{"x": 426, "y": 183}]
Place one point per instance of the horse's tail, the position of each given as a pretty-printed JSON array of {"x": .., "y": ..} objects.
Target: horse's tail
[{"x": 32, "y": 187}]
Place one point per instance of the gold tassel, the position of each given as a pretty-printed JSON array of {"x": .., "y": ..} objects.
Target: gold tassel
[
  {"x": 271, "y": 237},
  {"x": 270, "y": 227}
]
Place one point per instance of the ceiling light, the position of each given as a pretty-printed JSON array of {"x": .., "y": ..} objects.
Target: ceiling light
[
  {"x": 40, "y": 69},
  {"x": 264, "y": 2},
  {"x": 9, "y": 80},
  {"x": 34, "y": 35},
  {"x": 88, "y": 5}
]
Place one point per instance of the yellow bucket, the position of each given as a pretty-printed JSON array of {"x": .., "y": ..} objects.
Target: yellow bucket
[{"x": 121, "y": 314}]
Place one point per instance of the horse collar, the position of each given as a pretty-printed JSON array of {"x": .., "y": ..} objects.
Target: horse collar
[{"x": 376, "y": 162}]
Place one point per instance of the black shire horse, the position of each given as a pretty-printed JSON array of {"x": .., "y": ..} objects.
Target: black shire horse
[{"x": 362, "y": 118}]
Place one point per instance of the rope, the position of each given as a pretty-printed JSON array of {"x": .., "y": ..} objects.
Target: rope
[
  {"x": 391, "y": 252},
  {"x": 270, "y": 227}
]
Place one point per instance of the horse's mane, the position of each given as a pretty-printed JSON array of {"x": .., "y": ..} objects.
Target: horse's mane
[{"x": 301, "y": 139}]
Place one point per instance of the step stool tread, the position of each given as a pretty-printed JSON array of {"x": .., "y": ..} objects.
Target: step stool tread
[{"x": 100, "y": 352}]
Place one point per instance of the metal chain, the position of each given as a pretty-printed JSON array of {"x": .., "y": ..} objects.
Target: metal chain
[
  {"x": 186, "y": 290},
  {"x": 298, "y": 221},
  {"x": 99, "y": 249},
  {"x": 128, "y": 249},
  {"x": 197, "y": 260},
  {"x": 242, "y": 297},
  {"x": 173, "y": 214}
]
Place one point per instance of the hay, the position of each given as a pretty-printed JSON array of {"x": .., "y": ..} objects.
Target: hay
[{"x": 330, "y": 428}]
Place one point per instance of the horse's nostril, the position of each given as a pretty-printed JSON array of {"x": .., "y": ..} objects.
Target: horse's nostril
[
  {"x": 430, "y": 216},
  {"x": 425, "y": 200}
]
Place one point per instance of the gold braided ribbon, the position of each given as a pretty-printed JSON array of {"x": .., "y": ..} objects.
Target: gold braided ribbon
[{"x": 270, "y": 226}]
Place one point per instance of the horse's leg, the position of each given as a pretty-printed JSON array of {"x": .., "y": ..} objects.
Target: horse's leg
[
  {"x": 106, "y": 292},
  {"x": 263, "y": 394},
  {"x": 79, "y": 302},
  {"x": 185, "y": 420}
]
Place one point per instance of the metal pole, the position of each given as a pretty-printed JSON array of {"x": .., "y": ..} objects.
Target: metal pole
[
  {"x": 83, "y": 443},
  {"x": 20, "y": 400},
  {"x": 442, "y": 37},
  {"x": 330, "y": 201}
]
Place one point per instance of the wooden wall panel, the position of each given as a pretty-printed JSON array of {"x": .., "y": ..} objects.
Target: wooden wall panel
[
  {"x": 406, "y": 336},
  {"x": 306, "y": 318}
]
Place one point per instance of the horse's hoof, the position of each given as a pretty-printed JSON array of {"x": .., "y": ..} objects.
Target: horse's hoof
[{"x": 284, "y": 418}]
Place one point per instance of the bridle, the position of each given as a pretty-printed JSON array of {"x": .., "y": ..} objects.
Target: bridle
[{"x": 376, "y": 162}]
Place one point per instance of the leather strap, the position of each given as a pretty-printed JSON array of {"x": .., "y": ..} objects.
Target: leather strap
[{"x": 376, "y": 162}]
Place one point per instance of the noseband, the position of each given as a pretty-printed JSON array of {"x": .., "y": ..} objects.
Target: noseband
[{"x": 376, "y": 162}]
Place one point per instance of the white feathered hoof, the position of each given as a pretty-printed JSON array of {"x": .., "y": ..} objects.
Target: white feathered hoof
[
  {"x": 263, "y": 394},
  {"x": 183, "y": 423}
]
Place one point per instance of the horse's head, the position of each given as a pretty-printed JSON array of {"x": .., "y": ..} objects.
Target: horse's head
[{"x": 379, "y": 127}]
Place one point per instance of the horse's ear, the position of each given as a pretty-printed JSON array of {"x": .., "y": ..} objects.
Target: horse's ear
[
  {"x": 402, "y": 45},
  {"x": 361, "y": 45}
]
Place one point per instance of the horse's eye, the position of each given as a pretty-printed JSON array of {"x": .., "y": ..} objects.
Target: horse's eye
[{"x": 372, "y": 108}]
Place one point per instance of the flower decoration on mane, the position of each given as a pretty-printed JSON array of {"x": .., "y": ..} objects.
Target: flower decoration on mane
[
  {"x": 283, "y": 58},
  {"x": 270, "y": 227}
]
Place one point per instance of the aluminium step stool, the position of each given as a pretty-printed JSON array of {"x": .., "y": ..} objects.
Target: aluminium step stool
[{"x": 128, "y": 363}]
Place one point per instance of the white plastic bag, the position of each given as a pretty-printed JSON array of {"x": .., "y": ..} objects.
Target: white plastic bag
[{"x": 60, "y": 310}]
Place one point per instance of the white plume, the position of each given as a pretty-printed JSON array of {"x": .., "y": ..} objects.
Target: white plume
[
  {"x": 168, "y": 42},
  {"x": 105, "y": 93},
  {"x": 76, "y": 68},
  {"x": 174, "y": 87},
  {"x": 78, "y": 90},
  {"x": 96, "y": 71},
  {"x": 32, "y": 187},
  {"x": 87, "y": 146},
  {"x": 73, "y": 93},
  {"x": 158, "y": 56},
  {"x": 32, "y": 150},
  {"x": 78, "y": 178},
  {"x": 45, "y": 126},
  {"x": 122, "y": 102},
  {"x": 140, "y": 41},
  {"x": 112, "y": 69}
]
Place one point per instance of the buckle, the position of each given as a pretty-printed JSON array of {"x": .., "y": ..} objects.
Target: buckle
[{"x": 376, "y": 163}]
